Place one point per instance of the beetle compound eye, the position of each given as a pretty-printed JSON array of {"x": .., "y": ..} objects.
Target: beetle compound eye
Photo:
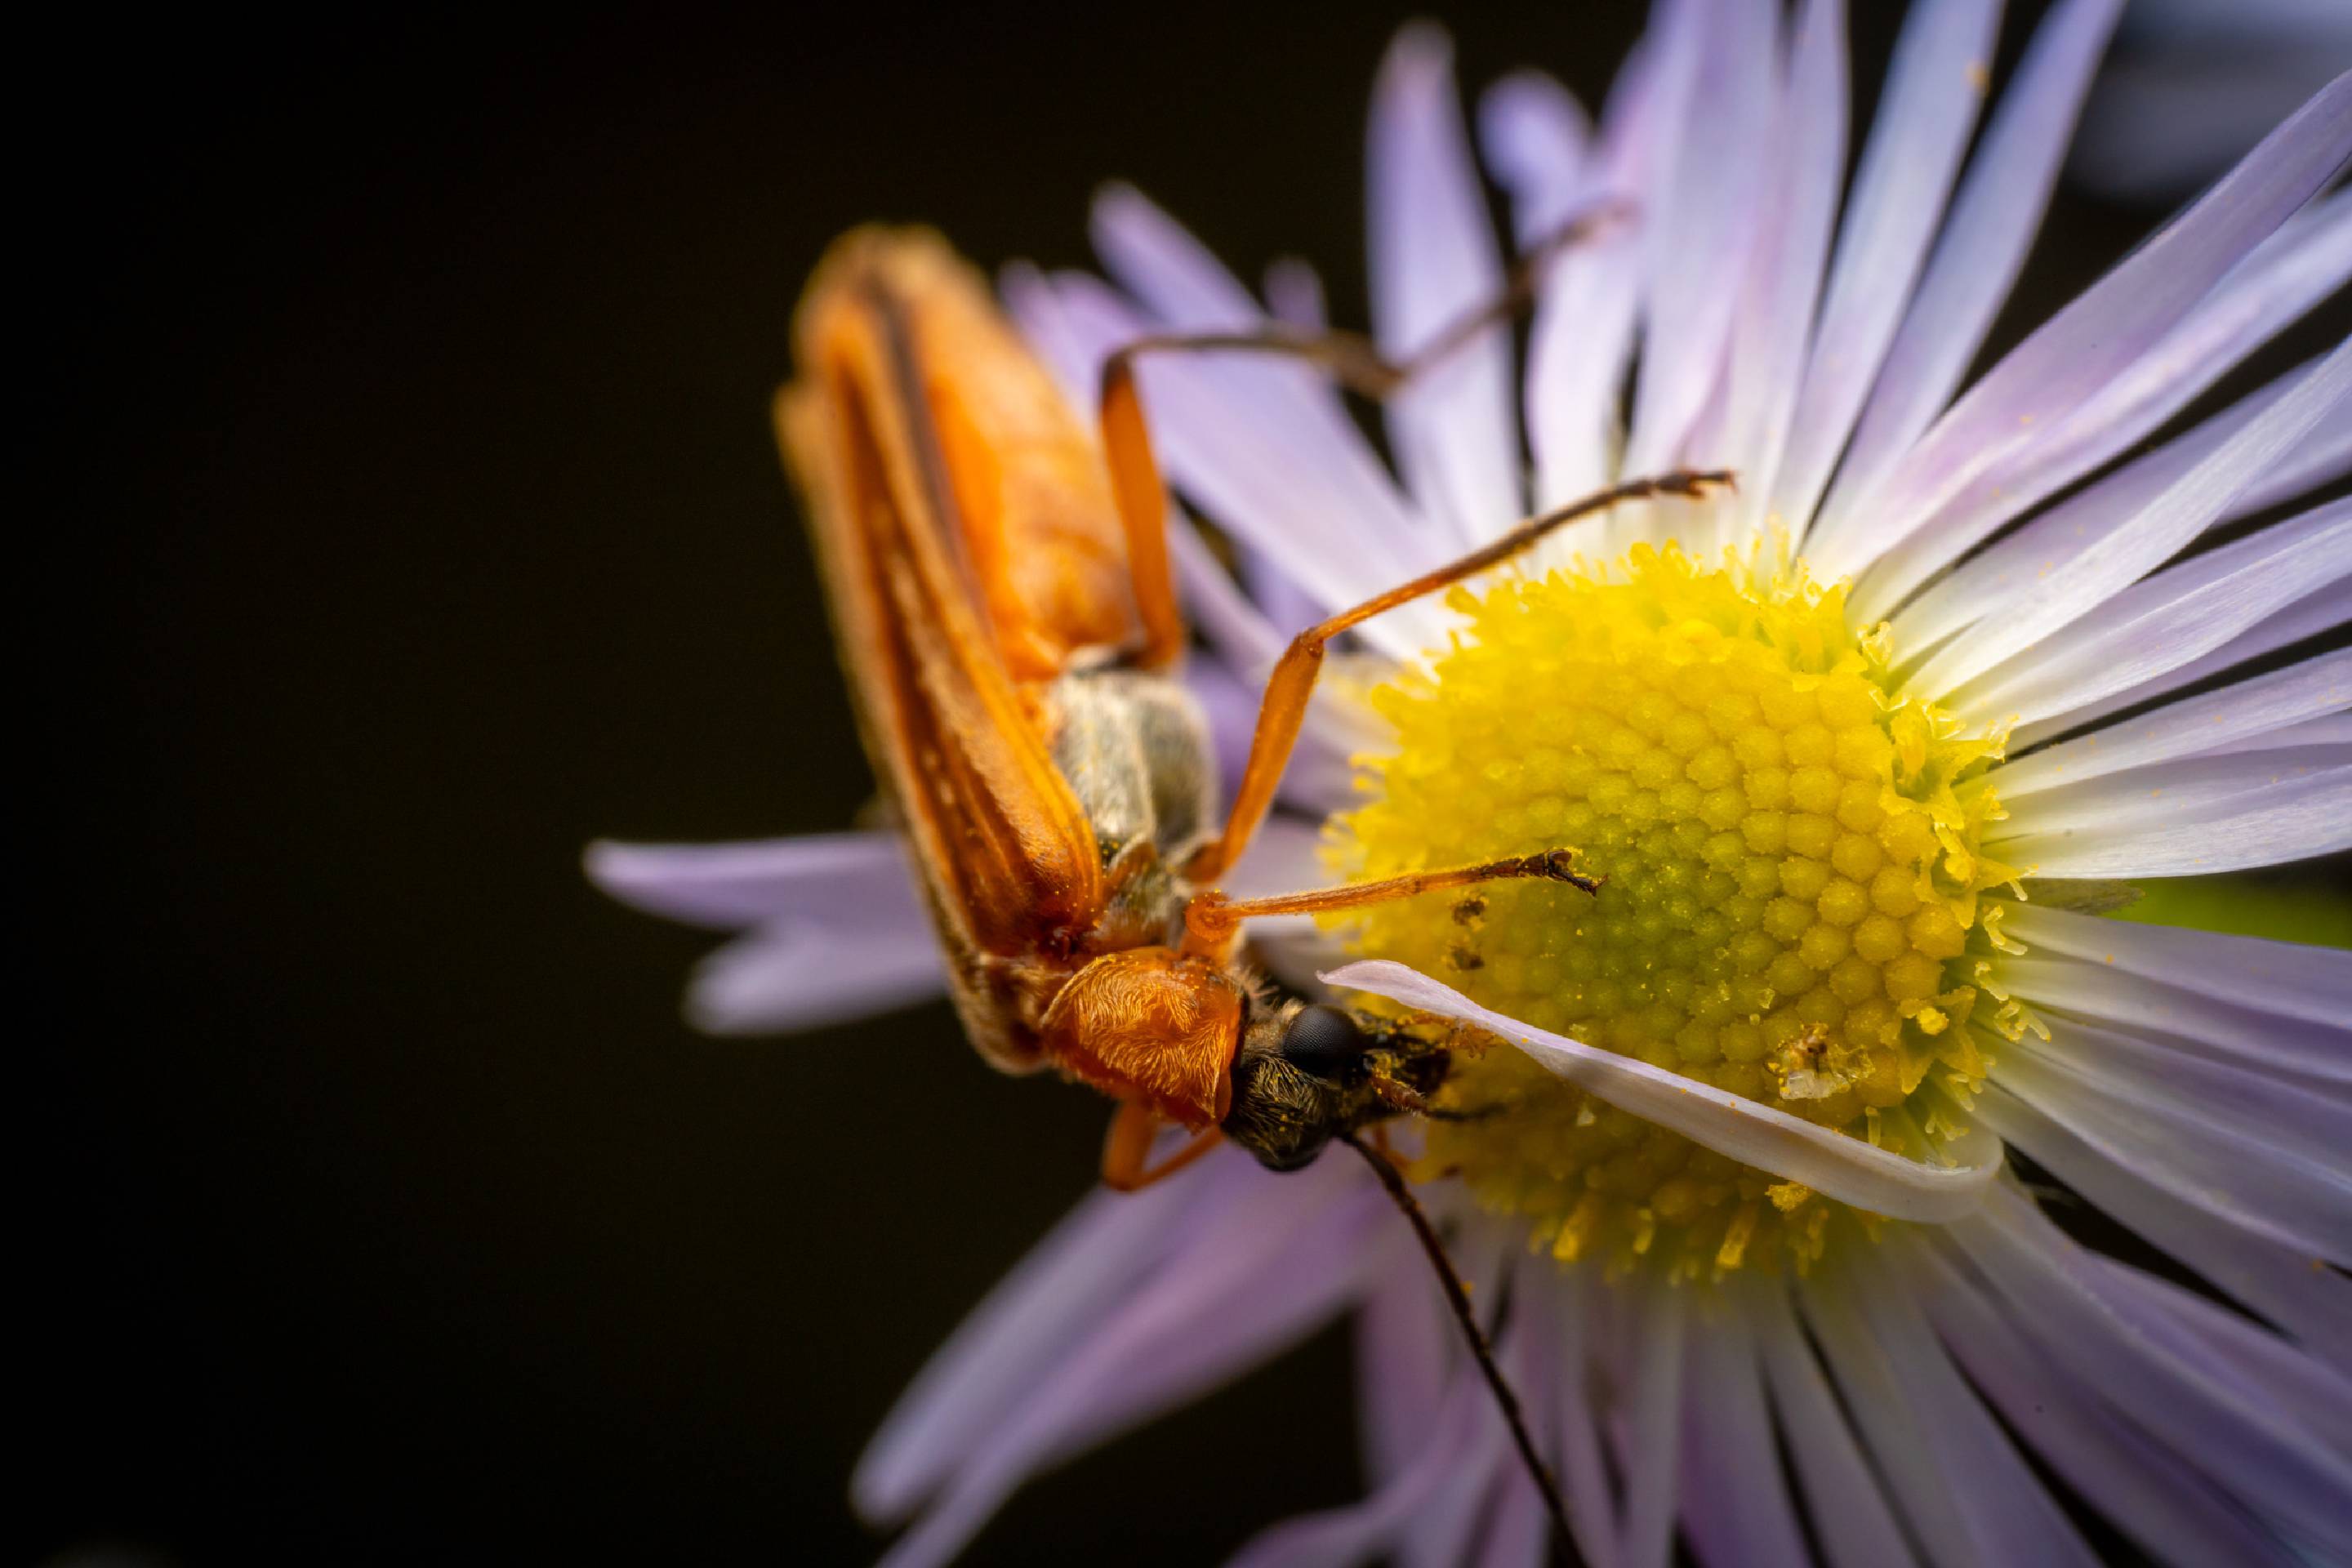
[{"x": 1325, "y": 1041}]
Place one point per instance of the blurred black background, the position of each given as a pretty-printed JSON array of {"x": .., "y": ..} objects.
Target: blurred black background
[{"x": 419, "y": 522}]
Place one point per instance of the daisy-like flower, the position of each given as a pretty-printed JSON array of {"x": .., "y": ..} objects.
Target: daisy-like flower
[{"x": 1863, "y": 749}]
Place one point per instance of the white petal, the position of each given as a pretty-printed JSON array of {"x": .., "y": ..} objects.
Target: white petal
[
  {"x": 1432, "y": 260},
  {"x": 1933, "y": 91},
  {"x": 2084, "y": 346},
  {"x": 1240, "y": 443},
  {"x": 2294, "y": 1289},
  {"x": 726, "y": 886},
  {"x": 1582, "y": 336},
  {"x": 2158, "y": 795},
  {"x": 2010, "y": 1516},
  {"x": 1848, "y": 1509},
  {"x": 2160, "y": 1499},
  {"x": 1846, "y": 1168},
  {"x": 1221, "y": 1303},
  {"x": 1563, "y": 1300},
  {"x": 2257, "y": 1185},
  {"x": 2173, "y": 618},
  {"x": 2313, "y": 984},
  {"x": 2309, "y": 615},
  {"x": 1890, "y": 1428},
  {"x": 2237, "y": 1347},
  {"x": 2299, "y": 812},
  {"x": 1993, "y": 223},
  {"x": 2306, "y": 260},
  {"x": 1736, "y": 1507},
  {"x": 1538, "y": 143},
  {"x": 2123, "y": 554},
  {"x": 2238, "y": 1437},
  {"x": 806, "y": 973},
  {"x": 2177, "y": 1006},
  {"x": 1989, "y": 581},
  {"x": 1653, "y": 1415},
  {"x": 2187, "y": 728},
  {"x": 1774, "y": 324},
  {"x": 1700, "y": 232}
]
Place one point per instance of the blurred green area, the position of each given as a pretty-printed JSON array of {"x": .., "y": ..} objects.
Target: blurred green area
[{"x": 2310, "y": 903}]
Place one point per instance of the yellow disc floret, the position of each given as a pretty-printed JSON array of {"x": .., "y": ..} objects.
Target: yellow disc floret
[{"x": 1791, "y": 908}]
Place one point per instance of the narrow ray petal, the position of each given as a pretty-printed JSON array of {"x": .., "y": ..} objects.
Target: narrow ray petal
[
  {"x": 2294, "y": 1289},
  {"x": 2284, "y": 977},
  {"x": 2161, "y": 1499},
  {"x": 2239, "y": 1437},
  {"x": 1652, "y": 1415},
  {"x": 1934, "y": 91},
  {"x": 726, "y": 886},
  {"x": 1843, "y": 1168},
  {"x": 2123, "y": 554},
  {"x": 2167, "y": 620},
  {"x": 1848, "y": 1510},
  {"x": 1737, "y": 1505},
  {"x": 1433, "y": 258},
  {"x": 1993, "y": 223},
  {"x": 2299, "y": 813},
  {"x": 2115, "y": 320},
  {"x": 2201, "y": 724}
]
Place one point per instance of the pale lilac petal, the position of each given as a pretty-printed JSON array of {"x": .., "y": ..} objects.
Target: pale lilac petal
[
  {"x": 1736, "y": 1507},
  {"x": 1774, "y": 324},
  {"x": 2293, "y": 1289},
  {"x": 1216, "y": 1304},
  {"x": 1933, "y": 91},
  {"x": 1537, "y": 140},
  {"x": 2311, "y": 616},
  {"x": 2298, "y": 812},
  {"x": 2084, "y": 346},
  {"x": 806, "y": 974},
  {"x": 2199, "y": 725},
  {"x": 2313, "y": 983},
  {"x": 2237, "y": 1347},
  {"x": 2163, "y": 1500},
  {"x": 2308, "y": 259},
  {"x": 2242, "y": 1440},
  {"x": 1099, "y": 1253},
  {"x": 726, "y": 886},
  {"x": 1700, "y": 232},
  {"x": 1848, "y": 1510},
  {"x": 2170, "y": 619},
  {"x": 1458, "y": 1444},
  {"x": 1294, "y": 294},
  {"x": 1847, "y": 1169},
  {"x": 2158, "y": 793},
  {"x": 2209, "y": 999},
  {"x": 837, "y": 929},
  {"x": 1920, "y": 1488},
  {"x": 1564, "y": 1299},
  {"x": 1582, "y": 335},
  {"x": 1244, "y": 444},
  {"x": 2010, "y": 1516},
  {"x": 1993, "y": 223},
  {"x": 1995, "y": 577},
  {"x": 2129, "y": 549},
  {"x": 2259, "y": 1184},
  {"x": 2308, "y": 1122},
  {"x": 1405, "y": 1345},
  {"x": 1652, "y": 1417},
  {"x": 1433, "y": 258}
]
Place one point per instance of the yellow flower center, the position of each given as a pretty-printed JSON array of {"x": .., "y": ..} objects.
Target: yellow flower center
[{"x": 1790, "y": 911}]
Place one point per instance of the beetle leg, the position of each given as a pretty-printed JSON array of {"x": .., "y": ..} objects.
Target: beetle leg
[
  {"x": 1212, "y": 919},
  {"x": 1128, "y": 1147},
  {"x": 1350, "y": 358}
]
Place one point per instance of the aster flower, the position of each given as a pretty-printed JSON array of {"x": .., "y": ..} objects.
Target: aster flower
[{"x": 1863, "y": 749}]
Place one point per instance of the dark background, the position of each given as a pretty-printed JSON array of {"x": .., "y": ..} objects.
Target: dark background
[{"x": 419, "y": 522}]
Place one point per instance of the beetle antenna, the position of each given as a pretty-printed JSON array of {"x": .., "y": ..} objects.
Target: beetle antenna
[{"x": 1458, "y": 1296}]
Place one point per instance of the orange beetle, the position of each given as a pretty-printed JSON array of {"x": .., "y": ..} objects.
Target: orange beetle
[{"x": 1004, "y": 610}]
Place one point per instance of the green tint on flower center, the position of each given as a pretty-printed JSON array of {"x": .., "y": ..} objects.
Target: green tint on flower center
[{"x": 1790, "y": 911}]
